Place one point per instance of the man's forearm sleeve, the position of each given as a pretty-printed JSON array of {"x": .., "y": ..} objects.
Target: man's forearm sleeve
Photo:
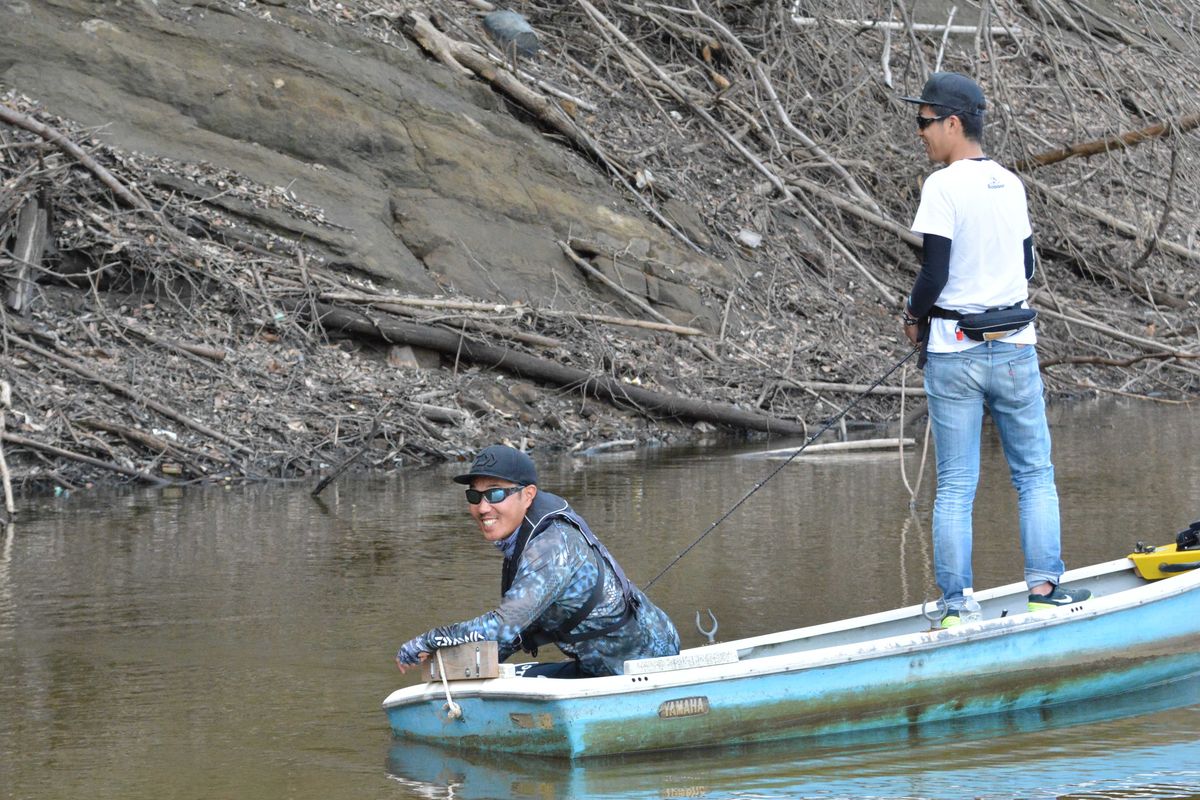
[{"x": 935, "y": 271}]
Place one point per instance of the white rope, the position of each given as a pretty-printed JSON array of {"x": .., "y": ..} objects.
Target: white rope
[
  {"x": 939, "y": 606},
  {"x": 453, "y": 709},
  {"x": 912, "y": 490}
]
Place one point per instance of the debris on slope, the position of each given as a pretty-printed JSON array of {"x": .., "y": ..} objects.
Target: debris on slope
[{"x": 159, "y": 337}]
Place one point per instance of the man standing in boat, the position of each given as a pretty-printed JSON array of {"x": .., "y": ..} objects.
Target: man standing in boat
[
  {"x": 560, "y": 585},
  {"x": 968, "y": 306}
]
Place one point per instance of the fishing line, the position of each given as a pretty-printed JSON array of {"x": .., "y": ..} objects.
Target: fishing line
[{"x": 787, "y": 461}]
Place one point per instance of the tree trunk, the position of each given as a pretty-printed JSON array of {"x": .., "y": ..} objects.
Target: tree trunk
[{"x": 603, "y": 387}]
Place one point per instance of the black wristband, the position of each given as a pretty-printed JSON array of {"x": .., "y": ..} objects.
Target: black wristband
[{"x": 909, "y": 319}]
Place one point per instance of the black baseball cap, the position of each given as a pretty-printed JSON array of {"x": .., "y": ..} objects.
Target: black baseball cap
[
  {"x": 503, "y": 462},
  {"x": 951, "y": 90}
]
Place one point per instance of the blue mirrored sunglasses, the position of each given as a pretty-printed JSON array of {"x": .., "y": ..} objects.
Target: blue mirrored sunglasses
[{"x": 493, "y": 496}]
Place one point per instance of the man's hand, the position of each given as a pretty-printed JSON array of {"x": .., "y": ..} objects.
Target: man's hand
[
  {"x": 913, "y": 333},
  {"x": 422, "y": 657},
  {"x": 912, "y": 327},
  {"x": 410, "y": 654}
]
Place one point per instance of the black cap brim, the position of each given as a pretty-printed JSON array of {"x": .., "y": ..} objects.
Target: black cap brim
[{"x": 467, "y": 477}]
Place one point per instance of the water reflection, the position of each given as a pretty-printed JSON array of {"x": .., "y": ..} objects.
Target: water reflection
[
  {"x": 237, "y": 643},
  {"x": 6, "y": 598},
  {"x": 1104, "y": 749}
]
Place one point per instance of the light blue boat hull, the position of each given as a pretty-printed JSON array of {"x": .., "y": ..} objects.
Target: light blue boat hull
[
  {"x": 838, "y": 678},
  {"x": 1092, "y": 747}
]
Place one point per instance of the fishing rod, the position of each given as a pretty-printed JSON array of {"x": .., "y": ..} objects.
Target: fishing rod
[{"x": 787, "y": 461}]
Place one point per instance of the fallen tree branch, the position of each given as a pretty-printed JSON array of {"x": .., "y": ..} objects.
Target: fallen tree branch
[
  {"x": 1105, "y": 362},
  {"x": 211, "y": 353},
  {"x": 855, "y": 446},
  {"x": 156, "y": 444},
  {"x": 500, "y": 308},
  {"x": 1120, "y": 226},
  {"x": 819, "y": 192},
  {"x": 450, "y": 416},
  {"x": 665, "y": 327},
  {"x": 856, "y": 388},
  {"x": 17, "y": 119},
  {"x": 535, "y": 339},
  {"x": 682, "y": 97},
  {"x": 916, "y": 27},
  {"x": 32, "y": 444},
  {"x": 1111, "y": 332},
  {"x": 357, "y": 454},
  {"x": 1115, "y": 142},
  {"x": 603, "y": 387},
  {"x": 582, "y": 263},
  {"x": 616, "y": 288},
  {"x": 463, "y": 58},
  {"x": 603, "y": 447},
  {"x": 126, "y": 391},
  {"x": 466, "y": 60}
]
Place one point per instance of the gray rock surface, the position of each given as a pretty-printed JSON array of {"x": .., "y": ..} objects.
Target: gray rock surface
[{"x": 426, "y": 181}]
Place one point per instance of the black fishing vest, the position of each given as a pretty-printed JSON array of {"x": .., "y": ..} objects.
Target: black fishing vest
[{"x": 545, "y": 509}]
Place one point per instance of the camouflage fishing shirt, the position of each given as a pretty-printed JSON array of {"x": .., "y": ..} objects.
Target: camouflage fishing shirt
[{"x": 556, "y": 577}]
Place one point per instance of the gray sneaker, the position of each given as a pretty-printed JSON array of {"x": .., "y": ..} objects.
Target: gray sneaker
[{"x": 1057, "y": 598}]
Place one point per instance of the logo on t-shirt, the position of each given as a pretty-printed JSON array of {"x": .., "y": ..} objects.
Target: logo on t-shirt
[{"x": 995, "y": 184}]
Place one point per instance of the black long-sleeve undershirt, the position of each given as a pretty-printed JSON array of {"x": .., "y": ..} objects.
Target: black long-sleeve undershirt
[{"x": 935, "y": 271}]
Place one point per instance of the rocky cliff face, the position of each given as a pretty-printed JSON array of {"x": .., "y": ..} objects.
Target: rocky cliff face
[{"x": 422, "y": 178}]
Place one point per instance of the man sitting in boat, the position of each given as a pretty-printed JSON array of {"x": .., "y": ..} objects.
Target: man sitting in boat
[{"x": 560, "y": 584}]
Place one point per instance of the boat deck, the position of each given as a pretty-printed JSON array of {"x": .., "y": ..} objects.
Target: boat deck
[{"x": 1004, "y": 601}]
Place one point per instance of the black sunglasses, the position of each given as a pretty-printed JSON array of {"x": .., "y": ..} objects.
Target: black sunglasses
[
  {"x": 493, "y": 496},
  {"x": 925, "y": 122}
]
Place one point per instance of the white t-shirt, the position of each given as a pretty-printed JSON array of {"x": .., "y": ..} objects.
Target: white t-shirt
[{"x": 980, "y": 206}]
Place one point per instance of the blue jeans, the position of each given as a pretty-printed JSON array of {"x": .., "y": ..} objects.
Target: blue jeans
[{"x": 1006, "y": 377}]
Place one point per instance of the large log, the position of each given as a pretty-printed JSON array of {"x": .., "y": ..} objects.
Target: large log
[{"x": 603, "y": 387}]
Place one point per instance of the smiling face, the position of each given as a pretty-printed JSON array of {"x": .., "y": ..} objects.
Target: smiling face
[
  {"x": 946, "y": 140},
  {"x": 497, "y": 521},
  {"x": 936, "y": 135}
]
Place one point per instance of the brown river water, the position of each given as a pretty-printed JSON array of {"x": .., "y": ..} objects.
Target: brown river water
[{"x": 236, "y": 643}]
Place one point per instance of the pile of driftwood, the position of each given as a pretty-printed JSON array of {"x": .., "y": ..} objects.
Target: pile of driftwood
[
  {"x": 153, "y": 337},
  {"x": 783, "y": 126}
]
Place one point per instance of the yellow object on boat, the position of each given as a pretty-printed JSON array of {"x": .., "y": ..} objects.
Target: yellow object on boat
[{"x": 1163, "y": 562}]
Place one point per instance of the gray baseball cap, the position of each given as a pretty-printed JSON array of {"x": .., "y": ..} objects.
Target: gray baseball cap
[
  {"x": 503, "y": 462},
  {"x": 951, "y": 90}
]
